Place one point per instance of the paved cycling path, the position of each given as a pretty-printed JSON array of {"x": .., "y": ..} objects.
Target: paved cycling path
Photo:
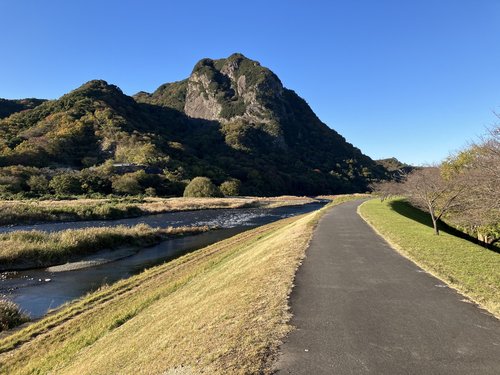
[{"x": 361, "y": 308}]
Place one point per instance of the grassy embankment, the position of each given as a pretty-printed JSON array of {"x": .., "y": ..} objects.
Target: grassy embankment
[
  {"x": 10, "y": 315},
  {"x": 32, "y": 211},
  {"x": 471, "y": 269},
  {"x": 30, "y": 249},
  {"x": 222, "y": 309}
]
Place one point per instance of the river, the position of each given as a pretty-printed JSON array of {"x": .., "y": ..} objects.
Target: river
[{"x": 37, "y": 291}]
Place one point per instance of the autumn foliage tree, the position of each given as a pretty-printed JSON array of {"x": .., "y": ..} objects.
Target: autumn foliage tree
[
  {"x": 464, "y": 190},
  {"x": 478, "y": 167}
]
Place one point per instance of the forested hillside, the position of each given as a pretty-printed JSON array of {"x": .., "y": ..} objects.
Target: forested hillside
[
  {"x": 231, "y": 120},
  {"x": 8, "y": 107}
]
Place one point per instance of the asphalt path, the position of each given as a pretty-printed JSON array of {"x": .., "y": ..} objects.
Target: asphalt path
[{"x": 361, "y": 308}]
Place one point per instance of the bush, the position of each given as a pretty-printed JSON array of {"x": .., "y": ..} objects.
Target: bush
[
  {"x": 10, "y": 185},
  {"x": 231, "y": 109},
  {"x": 94, "y": 181},
  {"x": 65, "y": 184},
  {"x": 230, "y": 187},
  {"x": 10, "y": 315},
  {"x": 150, "y": 192},
  {"x": 38, "y": 184},
  {"x": 127, "y": 184},
  {"x": 201, "y": 187}
]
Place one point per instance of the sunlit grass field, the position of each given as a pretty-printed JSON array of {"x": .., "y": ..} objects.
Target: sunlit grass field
[
  {"x": 15, "y": 212},
  {"x": 30, "y": 249}
]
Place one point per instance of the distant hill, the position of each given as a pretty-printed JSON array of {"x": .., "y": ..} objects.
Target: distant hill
[
  {"x": 8, "y": 107},
  {"x": 393, "y": 164},
  {"x": 231, "y": 119}
]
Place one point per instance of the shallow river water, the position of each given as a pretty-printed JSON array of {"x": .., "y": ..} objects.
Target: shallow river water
[{"x": 35, "y": 295}]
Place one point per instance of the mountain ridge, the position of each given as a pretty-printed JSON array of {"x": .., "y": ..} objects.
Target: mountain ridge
[
  {"x": 230, "y": 119},
  {"x": 11, "y": 106}
]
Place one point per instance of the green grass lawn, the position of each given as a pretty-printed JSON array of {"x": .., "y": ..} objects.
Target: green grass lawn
[{"x": 470, "y": 268}]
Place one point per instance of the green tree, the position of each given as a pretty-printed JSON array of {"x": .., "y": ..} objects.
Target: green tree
[
  {"x": 94, "y": 181},
  {"x": 38, "y": 184},
  {"x": 67, "y": 183},
  {"x": 10, "y": 184},
  {"x": 201, "y": 187},
  {"x": 230, "y": 187},
  {"x": 127, "y": 184}
]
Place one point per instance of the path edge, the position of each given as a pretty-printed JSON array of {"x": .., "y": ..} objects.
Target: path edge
[{"x": 398, "y": 249}]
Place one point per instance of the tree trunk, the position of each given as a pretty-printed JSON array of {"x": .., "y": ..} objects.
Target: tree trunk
[{"x": 435, "y": 224}]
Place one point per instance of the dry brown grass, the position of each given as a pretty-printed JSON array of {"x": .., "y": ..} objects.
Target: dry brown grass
[
  {"x": 220, "y": 310},
  {"x": 30, "y": 249},
  {"x": 28, "y": 211},
  {"x": 333, "y": 197},
  {"x": 157, "y": 205}
]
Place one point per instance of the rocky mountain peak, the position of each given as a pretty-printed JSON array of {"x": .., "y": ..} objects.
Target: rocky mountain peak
[
  {"x": 232, "y": 88},
  {"x": 261, "y": 133}
]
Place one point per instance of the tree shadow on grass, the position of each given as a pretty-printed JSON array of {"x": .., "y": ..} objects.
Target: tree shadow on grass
[{"x": 415, "y": 214}]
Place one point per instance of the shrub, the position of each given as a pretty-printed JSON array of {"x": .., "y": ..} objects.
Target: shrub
[
  {"x": 126, "y": 184},
  {"x": 231, "y": 187},
  {"x": 232, "y": 108},
  {"x": 10, "y": 315},
  {"x": 10, "y": 184},
  {"x": 67, "y": 183},
  {"x": 94, "y": 181},
  {"x": 150, "y": 192},
  {"x": 201, "y": 187},
  {"x": 38, "y": 184}
]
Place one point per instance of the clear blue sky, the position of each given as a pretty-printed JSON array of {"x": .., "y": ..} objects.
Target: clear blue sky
[{"x": 413, "y": 79}]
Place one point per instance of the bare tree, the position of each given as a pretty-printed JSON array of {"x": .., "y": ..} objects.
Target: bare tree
[
  {"x": 478, "y": 168},
  {"x": 427, "y": 189},
  {"x": 386, "y": 189}
]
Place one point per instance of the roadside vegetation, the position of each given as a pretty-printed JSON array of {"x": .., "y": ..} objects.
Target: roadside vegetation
[
  {"x": 31, "y": 249},
  {"x": 16, "y": 212},
  {"x": 468, "y": 267},
  {"x": 222, "y": 310},
  {"x": 463, "y": 191}
]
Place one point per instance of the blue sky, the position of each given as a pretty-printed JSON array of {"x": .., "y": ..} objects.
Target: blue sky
[{"x": 404, "y": 78}]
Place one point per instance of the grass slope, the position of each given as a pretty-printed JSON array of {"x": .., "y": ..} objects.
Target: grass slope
[
  {"x": 467, "y": 267},
  {"x": 221, "y": 310}
]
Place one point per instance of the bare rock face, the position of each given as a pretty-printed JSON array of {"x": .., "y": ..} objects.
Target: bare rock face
[
  {"x": 246, "y": 98},
  {"x": 242, "y": 85},
  {"x": 201, "y": 102},
  {"x": 232, "y": 88}
]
